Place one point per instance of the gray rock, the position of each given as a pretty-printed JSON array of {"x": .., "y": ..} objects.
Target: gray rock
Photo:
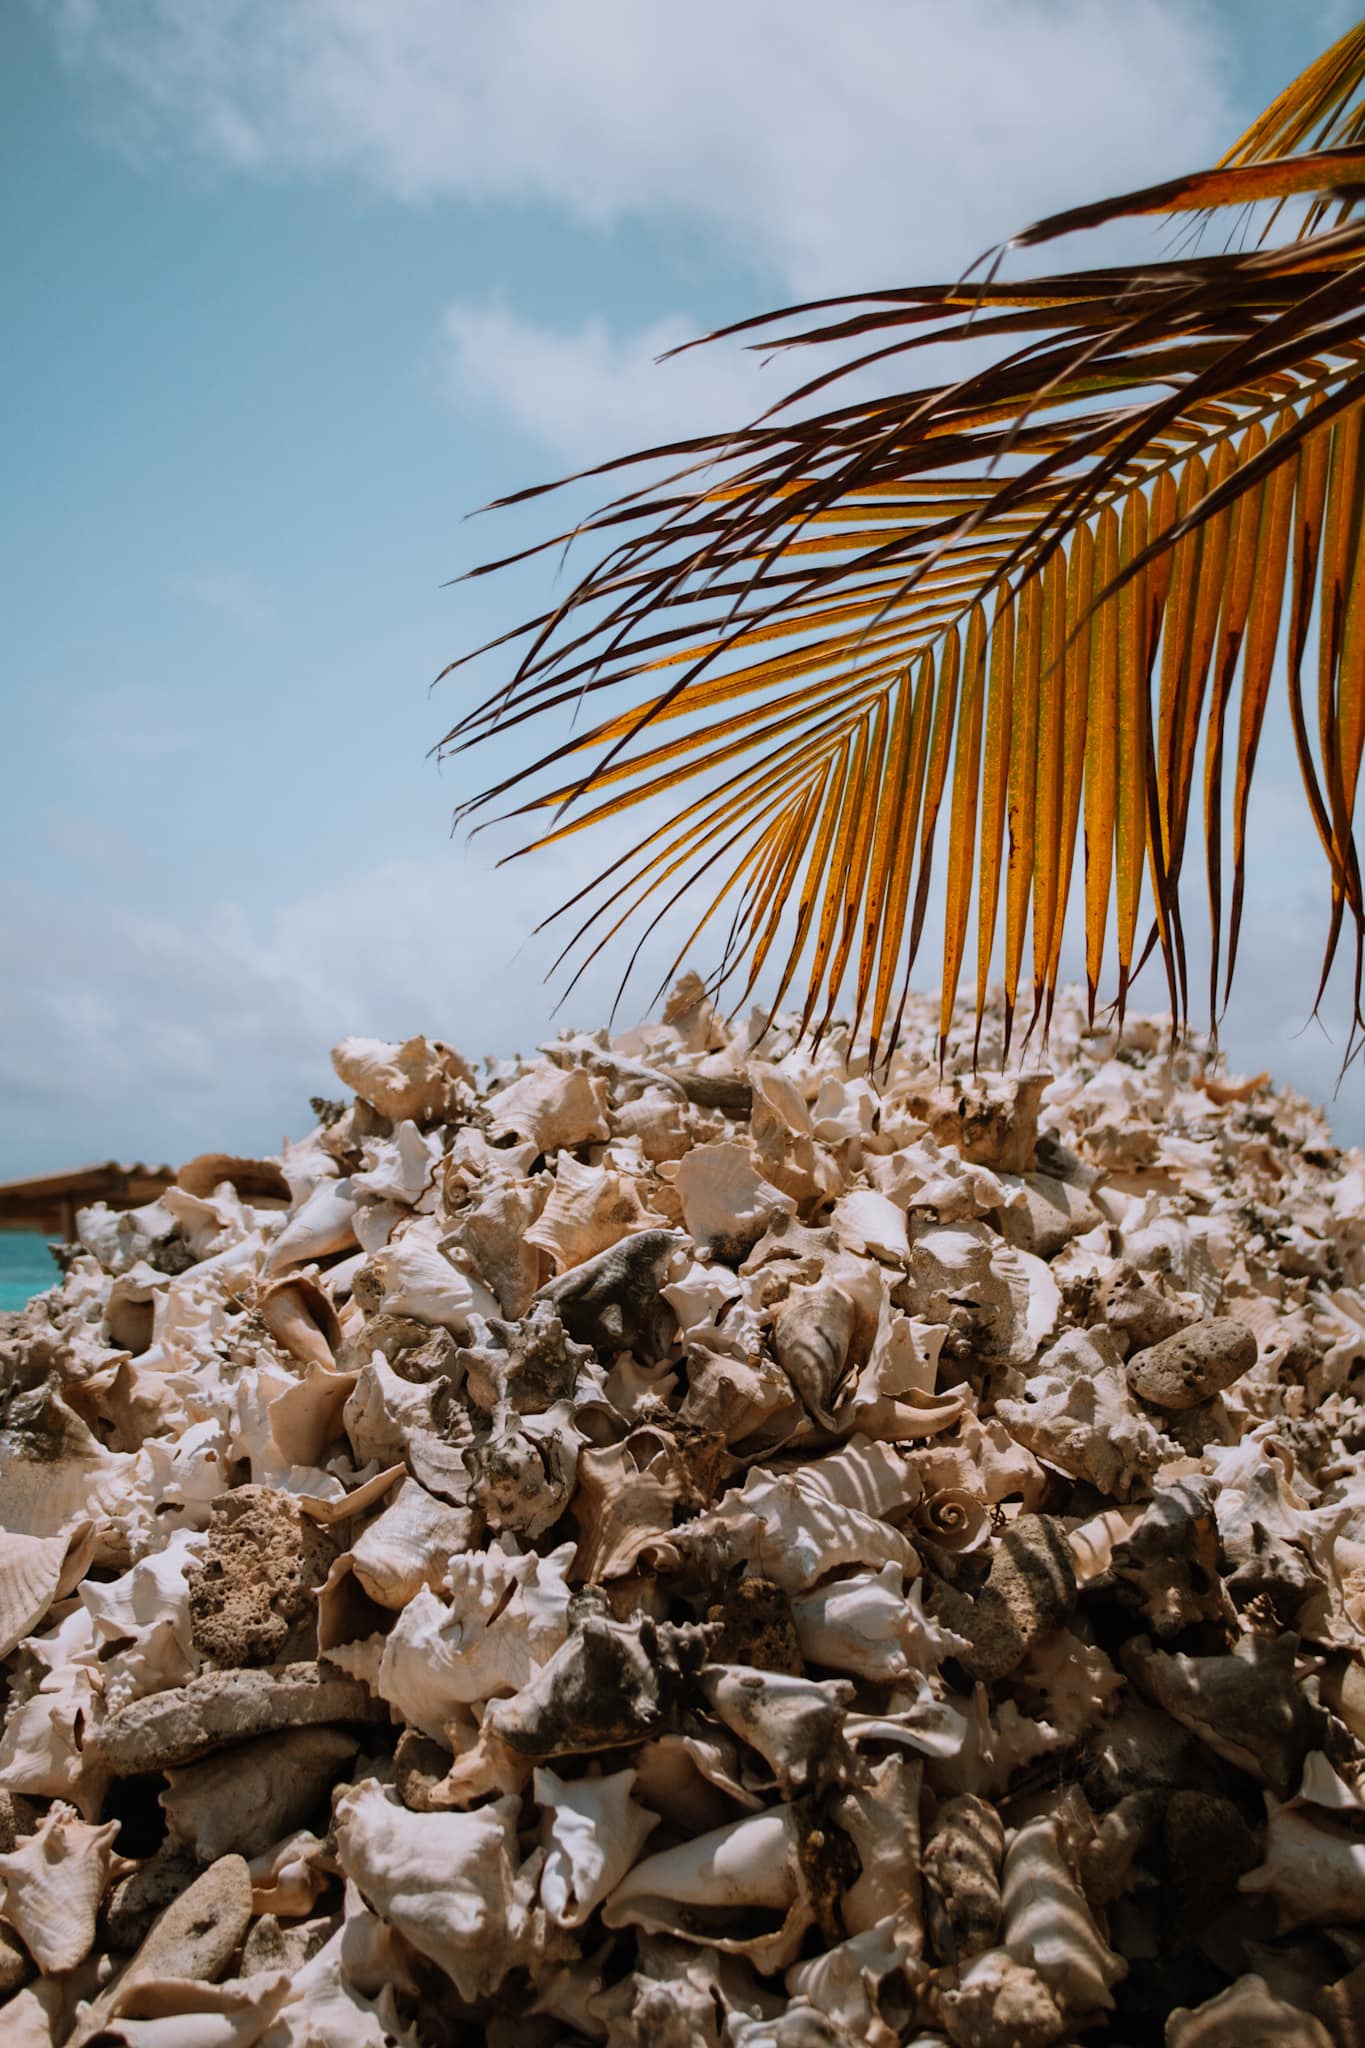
[
  {"x": 174, "y": 1727},
  {"x": 1193, "y": 1365}
]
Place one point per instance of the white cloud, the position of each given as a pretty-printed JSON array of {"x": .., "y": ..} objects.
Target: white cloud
[
  {"x": 592, "y": 391},
  {"x": 833, "y": 147}
]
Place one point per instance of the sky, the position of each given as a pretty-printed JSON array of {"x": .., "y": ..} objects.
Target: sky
[{"x": 294, "y": 287}]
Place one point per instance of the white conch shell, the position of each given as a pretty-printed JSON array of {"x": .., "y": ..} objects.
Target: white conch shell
[
  {"x": 790, "y": 1532},
  {"x": 727, "y": 1204},
  {"x": 556, "y": 1108},
  {"x": 755, "y": 1862},
  {"x": 411, "y": 1277},
  {"x": 308, "y": 1415},
  {"x": 1081, "y": 1416},
  {"x": 53, "y": 1883},
  {"x": 446, "y": 1881},
  {"x": 867, "y": 1625},
  {"x": 322, "y": 1224},
  {"x": 399, "y": 1170},
  {"x": 409, "y": 1545},
  {"x": 1048, "y": 1923},
  {"x": 794, "y": 1723},
  {"x": 34, "y": 1572},
  {"x": 299, "y": 1315},
  {"x": 505, "y": 1617},
  {"x": 591, "y": 1208},
  {"x": 867, "y": 1221},
  {"x": 593, "y": 1831},
  {"x": 421, "y": 1078}
]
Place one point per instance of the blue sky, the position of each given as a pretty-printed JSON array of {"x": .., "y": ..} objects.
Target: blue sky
[{"x": 294, "y": 285}]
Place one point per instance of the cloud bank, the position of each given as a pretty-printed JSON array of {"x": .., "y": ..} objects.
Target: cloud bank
[{"x": 827, "y": 147}]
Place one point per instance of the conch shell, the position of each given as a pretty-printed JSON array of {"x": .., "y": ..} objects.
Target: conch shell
[{"x": 53, "y": 1883}]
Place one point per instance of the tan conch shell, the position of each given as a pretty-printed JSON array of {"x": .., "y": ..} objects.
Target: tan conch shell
[
  {"x": 53, "y": 1883},
  {"x": 557, "y": 1108},
  {"x": 727, "y": 1204},
  {"x": 591, "y": 1208},
  {"x": 409, "y": 1545},
  {"x": 35, "y": 1571},
  {"x": 593, "y": 1831},
  {"x": 1314, "y": 1870},
  {"x": 421, "y": 1078},
  {"x": 300, "y": 1316},
  {"x": 255, "y": 1180}
]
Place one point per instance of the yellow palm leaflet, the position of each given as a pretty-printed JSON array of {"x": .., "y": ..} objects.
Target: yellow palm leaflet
[
  {"x": 888, "y": 874},
  {"x": 962, "y": 826},
  {"x": 1101, "y": 752},
  {"x": 1023, "y": 782},
  {"x": 994, "y": 794},
  {"x": 1080, "y": 625},
  {"x": 1048, "y": 797}
]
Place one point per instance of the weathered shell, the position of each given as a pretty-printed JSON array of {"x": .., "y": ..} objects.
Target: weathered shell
[
  {"x": 727, "y": 1204},
  {"x": 556, "y": 1108},
  {"x": 421, "y": 1078},
  {"x": 593, "y": 1832},
  {"x": 753, "y": 1863},
  {"x": 35, "y": 1571},
  {"x": 53, "y": 1883}
]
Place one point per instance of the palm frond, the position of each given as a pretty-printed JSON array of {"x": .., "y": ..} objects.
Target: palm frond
[{"x": 1007, "y": 607}]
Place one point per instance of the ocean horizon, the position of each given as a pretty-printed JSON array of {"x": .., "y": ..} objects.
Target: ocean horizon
[{"x": 26, "y": 1267}]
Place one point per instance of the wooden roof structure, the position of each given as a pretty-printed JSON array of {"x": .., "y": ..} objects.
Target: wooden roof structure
[{"x": 49, "y": 1202}]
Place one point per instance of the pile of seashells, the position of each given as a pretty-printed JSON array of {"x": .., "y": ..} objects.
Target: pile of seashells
[{"x": 694, "y": 1543}]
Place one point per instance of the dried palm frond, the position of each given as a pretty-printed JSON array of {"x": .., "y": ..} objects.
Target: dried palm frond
[{"x": 1007, "y": 607}]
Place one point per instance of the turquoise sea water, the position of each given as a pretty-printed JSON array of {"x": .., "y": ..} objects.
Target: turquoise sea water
[{"x": 26, "y": 1267}]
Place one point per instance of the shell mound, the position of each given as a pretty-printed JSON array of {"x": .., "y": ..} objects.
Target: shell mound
[{"x": 696, "y": 1542}]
